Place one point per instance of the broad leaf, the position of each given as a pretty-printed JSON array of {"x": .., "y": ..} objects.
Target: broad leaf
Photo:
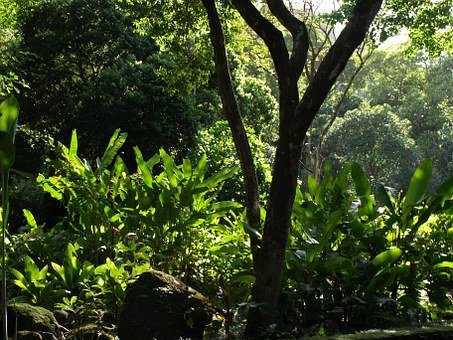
[
  {"x": 74, "y": 144},
  {"x": 200, "y": 169},
  {"x": 30, "y": 219},
  {"x": 187, "y": 168},
  {"x": 360, "y": 179},
  {"x": 143, "y": 168},
  {"x": 9, "y": 112},
  {"x": 444, "y": 265},
  {"x": 363, "y": 189},
  {"x": 116, "y": 142},
  {"x": 7, "y": 151},
  {"x": 446, "y": 188},
  {"x": 418, "y": 185},
  {"x": 387, "y": 257}
]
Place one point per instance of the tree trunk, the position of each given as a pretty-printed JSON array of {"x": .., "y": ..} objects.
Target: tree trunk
[{"x": 295, "y": 119}]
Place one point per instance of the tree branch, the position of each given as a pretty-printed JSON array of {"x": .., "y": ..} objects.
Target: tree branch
[
  {"x": 271, "y": 35},
  {"x": 334, "y": 62},
  {"x": 284, "y": 16},
  {"x": 232, "y": 114},
  {"x": 299, "y": 33}
]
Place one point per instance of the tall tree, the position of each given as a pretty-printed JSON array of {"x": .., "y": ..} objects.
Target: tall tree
[
  {"x": 295, "y": 117},
  {"x": 86, "y": 66}
]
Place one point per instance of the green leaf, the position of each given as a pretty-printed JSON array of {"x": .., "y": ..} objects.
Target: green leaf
[
  {"x": 446, "y": 188},
  {"x": 169, "y": 168},
  {"x": 143, "y": 168},
  {"x": 9, "y": 112},
  {"x": 443, "y": 265},
  {"x": 59, "y": 270},
  {"x": 333, "y": 221},
  {"x": 360, "y": 179},
  {"x": 418, "y": 185},
  {"x": 387, "y": 257},
  {"x": 226, "y": 205},
  {"x": 150, "y": 163},
  {"x": 386, "y": 276},
  {"x": 187, "y": 168},
  {"x": 50, "y": 187},
  {"x": 43, "y": 273},
  {"x": 17, "y": 274},
  {"x": 30, "y": 219},
  {"x": 363, "y": 189},
  {"x": 200, "y": 169},
  {"x": 20, "y": 284},
  {"x": 313, "y": 186},
  {"x": 74, "y": 144},
  {"x": 31, "y": 267},
  {"x": 71, "y": 257},
  {"x": 7, "y": 151},
  {"x": 223, "y": 175},
  {"x": 119, "y": 166},
  {"x": 116, "y": 142},
  {"x": 450, "y": 233}
]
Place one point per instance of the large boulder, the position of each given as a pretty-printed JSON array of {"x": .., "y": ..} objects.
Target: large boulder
[
  {"x": 158, "y": 306},
  {"x": 32, "y": 321}
]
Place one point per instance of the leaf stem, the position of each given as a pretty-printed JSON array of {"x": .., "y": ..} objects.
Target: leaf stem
[{"x": 5, "y": 213}]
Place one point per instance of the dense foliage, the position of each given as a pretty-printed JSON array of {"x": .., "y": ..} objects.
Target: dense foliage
[
  {"x": 88, "y": 53},
  {"x": 151, "y": 177},
  {"x": 350, "y": 251}
]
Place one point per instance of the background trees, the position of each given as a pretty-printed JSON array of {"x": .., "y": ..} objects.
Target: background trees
[{"x": 86, "y": 67}]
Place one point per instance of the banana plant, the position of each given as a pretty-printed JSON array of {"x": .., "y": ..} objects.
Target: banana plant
[
  {"x": 9, "y": 111},
  {"x": 407, "y": 214}
]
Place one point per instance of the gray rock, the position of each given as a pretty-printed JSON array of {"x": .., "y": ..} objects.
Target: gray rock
[{"x": 158, "y": 306}]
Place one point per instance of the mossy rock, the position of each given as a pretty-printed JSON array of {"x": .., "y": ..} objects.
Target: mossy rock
[
  {"x": 426, "y": 333},
  {"x": 159, "y": 306},
  {"x": 32, "y": 319}
]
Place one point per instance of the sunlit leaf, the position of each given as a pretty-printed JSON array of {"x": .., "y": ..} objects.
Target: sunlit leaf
[
  {"x": 30, "y": 219},
  {"x": 450, "y": 233},
  {"x": 9, "y": 112},
  {"x": 74, "y": 144},
  {"x": 187, "y": 168},
  {"x": 363, "y": 189},
  {"x": 201, "y": 167},
  {"x": 387, "y": 257},
  {"x": 312, "y": 186},
  {"x": 143, "y": 168},
  {"x": 116, "y": 142},
  {"x": 418, "y": 185},
  {"x": 444, "y": 265}
]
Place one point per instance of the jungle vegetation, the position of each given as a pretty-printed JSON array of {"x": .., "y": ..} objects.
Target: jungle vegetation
[{"x": 292, "y": 161}]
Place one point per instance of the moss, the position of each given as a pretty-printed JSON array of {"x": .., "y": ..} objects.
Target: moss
[
  {"x": 31, "y": 318},
  {"x": 438, "y": 333}
]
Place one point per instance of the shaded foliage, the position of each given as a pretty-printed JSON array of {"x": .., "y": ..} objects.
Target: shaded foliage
[{"x": 87, "y": 68}]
